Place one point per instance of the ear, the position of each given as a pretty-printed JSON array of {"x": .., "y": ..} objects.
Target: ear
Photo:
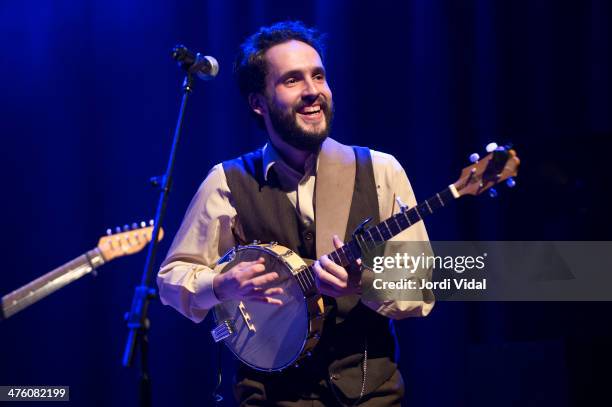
[{"x": 257, "y": 103}]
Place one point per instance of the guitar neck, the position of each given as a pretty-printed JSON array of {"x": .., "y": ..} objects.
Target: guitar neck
[
  {"x": 50, "y": 282},
  {"x": 376, "y": 236}
]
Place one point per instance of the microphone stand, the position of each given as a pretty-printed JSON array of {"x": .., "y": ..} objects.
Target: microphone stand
[{"x": 137, "y": 321}]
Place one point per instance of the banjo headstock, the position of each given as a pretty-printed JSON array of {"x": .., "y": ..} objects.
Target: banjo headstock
[{"x": 501, "y": 164}]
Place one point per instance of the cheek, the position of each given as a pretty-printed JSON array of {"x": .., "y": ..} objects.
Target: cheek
[
  {"x": 327, "y": 91},
  {"x": 285, "y": 100}
]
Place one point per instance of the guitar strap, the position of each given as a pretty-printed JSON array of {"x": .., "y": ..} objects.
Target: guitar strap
[{"x": 333, "y": 193}]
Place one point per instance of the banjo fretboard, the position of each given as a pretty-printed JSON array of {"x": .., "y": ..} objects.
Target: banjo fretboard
[{"x": 370, "y": 238}]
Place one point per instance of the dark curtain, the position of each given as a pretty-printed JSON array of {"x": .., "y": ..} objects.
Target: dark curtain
[{"x": 89, "y": 101}]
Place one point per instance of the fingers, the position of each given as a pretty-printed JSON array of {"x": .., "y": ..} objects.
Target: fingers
[
  {"x": 332, "y": 274},
  {"x": 259, "y": 281},
  {"x": 253, "y": 284},
  {"x": 267, "y": 300},
  {"x": 334, "y": 269},
  {"x": 337, "y": 242},
  {"x": 265, "y": 296},
  {"x": 260, "y": 260},
  {"x": 274, "y": 291},
  {"x": 331, "y": 278},
  {"x": 248, "y": 269}
]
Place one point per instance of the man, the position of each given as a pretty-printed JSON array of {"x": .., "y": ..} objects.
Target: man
[{"x": 288, "y": 192}]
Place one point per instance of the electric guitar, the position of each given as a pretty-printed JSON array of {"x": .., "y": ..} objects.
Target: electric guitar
[
  {"x": 269, "y": 338},
  {"x": 111, "y": 246}
]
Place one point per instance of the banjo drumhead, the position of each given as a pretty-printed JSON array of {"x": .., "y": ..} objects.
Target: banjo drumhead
[{"x": 280, "y": 331}]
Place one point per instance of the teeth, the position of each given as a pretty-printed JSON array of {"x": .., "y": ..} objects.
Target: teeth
[{"x": 312, "y": 109}]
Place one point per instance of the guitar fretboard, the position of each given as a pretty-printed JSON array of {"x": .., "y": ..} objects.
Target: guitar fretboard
[
  {"x": 376, "y": 236},
  {"x": 50, "y": 282}
]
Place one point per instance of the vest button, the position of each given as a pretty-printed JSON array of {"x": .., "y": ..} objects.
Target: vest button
[{"x": 308, "y": 235}]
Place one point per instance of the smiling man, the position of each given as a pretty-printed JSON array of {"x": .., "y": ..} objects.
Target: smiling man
[
  {"x": 296, "y": 190},
  {"x": 296, "y": 104}
]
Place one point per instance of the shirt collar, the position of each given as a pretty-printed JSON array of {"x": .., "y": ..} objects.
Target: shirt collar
[{"x": 271, "y": 157}]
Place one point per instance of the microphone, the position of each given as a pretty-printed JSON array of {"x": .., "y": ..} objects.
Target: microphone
[{"x": 204, "y": 66}]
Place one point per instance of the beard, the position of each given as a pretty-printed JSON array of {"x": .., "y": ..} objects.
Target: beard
[{"x": 285, "y": 123}]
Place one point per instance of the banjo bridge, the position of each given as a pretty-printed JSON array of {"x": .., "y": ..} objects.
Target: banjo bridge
[{"x": 247, "y": 317}]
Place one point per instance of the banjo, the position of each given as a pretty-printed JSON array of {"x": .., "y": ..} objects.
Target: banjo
[{"x": 268, "y": 338}]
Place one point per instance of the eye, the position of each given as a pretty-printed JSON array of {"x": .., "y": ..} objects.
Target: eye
[
  {"x": 319, "y": 77},
  {"x": 290, "y": 81}
]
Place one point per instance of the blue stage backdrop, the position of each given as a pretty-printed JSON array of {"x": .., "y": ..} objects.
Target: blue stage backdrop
[{"x": 89, "y": 98}]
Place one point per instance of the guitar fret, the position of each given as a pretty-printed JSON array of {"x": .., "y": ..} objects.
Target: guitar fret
[
  {"x": 407, "y": 218},
  {"x": 363, "y": 242},
  {"x": 370, "y": 241},
  {"x": 354, "y": 251},
  {"x": 440, "y": 199},
  {"x": 380, "y": 237},
  {"x": 339, "y": 257},
  {"x": 414, "y": 211},
  {"x": 370, "y": 233},
  {"x": 388, "y": 226},
  {"x": 345, "y": 257},
  {"x": 373, "y": 243},
  {"x": 403, "y": 219},
  {"x": 399, "y": 227},
  {"x": 428, "y": 207},
  {"x": 382, "y": 234}
]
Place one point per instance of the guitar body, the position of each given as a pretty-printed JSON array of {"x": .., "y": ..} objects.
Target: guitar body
[{"x": 269, "y": 337}]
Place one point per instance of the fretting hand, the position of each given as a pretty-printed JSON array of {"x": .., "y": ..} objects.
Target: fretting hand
[{"x": 334, "y": 280}]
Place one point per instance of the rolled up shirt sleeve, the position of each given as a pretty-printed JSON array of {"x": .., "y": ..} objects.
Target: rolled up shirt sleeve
[
  {"x": 185, "y": 279},
  {"x": 391, "y": 182}
]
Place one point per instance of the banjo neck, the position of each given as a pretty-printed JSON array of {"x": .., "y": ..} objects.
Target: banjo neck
[
  {"x": 365, "y": 240},
  {"x": 501, "y": 164}
]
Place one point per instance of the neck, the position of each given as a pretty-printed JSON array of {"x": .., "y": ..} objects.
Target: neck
[{"x": 294, "y": 157}]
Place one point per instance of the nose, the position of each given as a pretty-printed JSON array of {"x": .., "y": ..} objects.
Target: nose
[{"x": 311, "y": 90}]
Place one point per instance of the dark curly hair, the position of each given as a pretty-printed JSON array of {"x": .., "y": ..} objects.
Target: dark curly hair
[{"x": 250, "y": 65}]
